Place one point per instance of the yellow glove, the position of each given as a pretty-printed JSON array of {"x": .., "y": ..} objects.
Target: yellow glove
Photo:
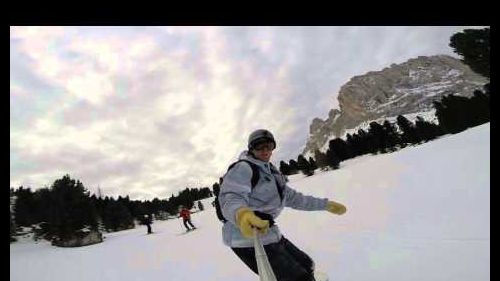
[
  {"x": 246, "y": 220},
  {"x": 336, "y": 208}
]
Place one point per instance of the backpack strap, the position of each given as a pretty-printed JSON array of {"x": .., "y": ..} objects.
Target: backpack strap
[
  {"x": 254, "y": 180},
  {"x": 275, "y": 173},
  {"x": 256, "y": 175},
  {"x": 255, "y": 171}
]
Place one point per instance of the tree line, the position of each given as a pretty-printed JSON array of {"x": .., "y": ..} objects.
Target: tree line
[
  {"x": 454, "y": 114},
  {"x": 67, "y": 208}
]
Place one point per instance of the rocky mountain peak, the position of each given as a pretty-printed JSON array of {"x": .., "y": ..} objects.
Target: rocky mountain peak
[{"x": 400, "y": 89}]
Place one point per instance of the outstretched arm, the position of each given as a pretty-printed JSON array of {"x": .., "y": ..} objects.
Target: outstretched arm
[{"x": 299, "y": 201}]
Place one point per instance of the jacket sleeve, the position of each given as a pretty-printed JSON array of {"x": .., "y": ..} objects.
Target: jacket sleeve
[
  {"x": 235, "y": 190},
  {"x": 299, "y": 201}
]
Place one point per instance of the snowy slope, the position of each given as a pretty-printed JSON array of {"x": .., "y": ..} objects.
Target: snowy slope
[{"x": 418, "y": 214}]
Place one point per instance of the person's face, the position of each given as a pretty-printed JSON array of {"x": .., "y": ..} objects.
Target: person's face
[{"x": 263, "y": 151}]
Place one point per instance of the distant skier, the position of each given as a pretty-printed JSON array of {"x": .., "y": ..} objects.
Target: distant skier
[
  {"x": 252, "y": 195},
  {"x": 200, "y": 206},
  {"x": 186, "y": 217},
  {"x": 148, "y": 221}
]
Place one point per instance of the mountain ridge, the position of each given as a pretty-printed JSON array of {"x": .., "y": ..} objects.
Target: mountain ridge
[{"x": 400, "y": 89}]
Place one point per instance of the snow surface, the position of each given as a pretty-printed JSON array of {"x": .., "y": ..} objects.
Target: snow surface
[{"x": 422, "y": 213}]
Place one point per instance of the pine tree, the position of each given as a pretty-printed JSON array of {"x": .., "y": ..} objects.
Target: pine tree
[
  {"x": 378, "y": 138},
  {"x": 321, "y": 159},
  {"x": 71, "y": 209},
  {"x": 392, "y": 135},
  {"x": 312, "y": 164},
  {"x": 453, "y": 113},
  {"x": 304, "y": 166},
  {"x": 333, "y": 159},
  {"x": 24, "y": 208},
  {"x": 351, "y": 142},
  {"x": 474, "y": 46},
  {"x": 409, "y": 134},
  {"x": 156, "y": 205},
  {"x": 479, "y": 107},
  {"x": 12, "y": 228},
  {"x": 294, "y": 167},
  {"x": 425, "y": 130},
  {"x": 362, "y": 140},
  {"x": 340, "y": 148},
  {"x": 302, "y": 163},
  {"x": 284, "y": 168},
  {"x": 43, "y": 205},
  {"x": 117, "y": 216}
]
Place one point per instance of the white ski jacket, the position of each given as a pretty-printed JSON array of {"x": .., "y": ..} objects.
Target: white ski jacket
[{"x": 236, "y": 192}]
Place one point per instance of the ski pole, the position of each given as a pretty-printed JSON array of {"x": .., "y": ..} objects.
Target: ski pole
[{"x": 263, "y": 266}]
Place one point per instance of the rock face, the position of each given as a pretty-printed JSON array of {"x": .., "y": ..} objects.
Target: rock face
[
  {"x": 82, "y": 238},
  {"x": 404, "y": 88}
]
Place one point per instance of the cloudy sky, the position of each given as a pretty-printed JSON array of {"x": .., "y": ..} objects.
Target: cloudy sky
[{"x": 149, "y": 111}]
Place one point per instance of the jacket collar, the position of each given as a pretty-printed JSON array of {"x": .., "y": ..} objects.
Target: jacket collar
[{"x": 265, "y": 166}]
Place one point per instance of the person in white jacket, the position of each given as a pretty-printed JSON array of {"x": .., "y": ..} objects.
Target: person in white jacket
[{"x": 245, "y": 207}]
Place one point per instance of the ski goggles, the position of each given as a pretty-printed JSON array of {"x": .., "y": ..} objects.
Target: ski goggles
[{"x": 264, "y": 145}]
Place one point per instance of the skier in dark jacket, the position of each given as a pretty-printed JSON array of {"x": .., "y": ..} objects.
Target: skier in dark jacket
[
  {"x": 148, "y": 221},
  {"x": 246, "y": 208}
]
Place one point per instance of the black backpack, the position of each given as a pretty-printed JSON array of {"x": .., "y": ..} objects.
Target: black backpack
[{"x": 254, "y": 180}]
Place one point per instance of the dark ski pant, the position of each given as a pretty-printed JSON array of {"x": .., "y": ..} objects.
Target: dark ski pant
[
  {"x": 149, "y": 228},
  {"x": 186, "y": 221},
  {"x": 289, "y": 263}
]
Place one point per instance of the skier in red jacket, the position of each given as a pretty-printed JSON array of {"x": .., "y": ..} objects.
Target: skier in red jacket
[{"x": 186, "y": 217}]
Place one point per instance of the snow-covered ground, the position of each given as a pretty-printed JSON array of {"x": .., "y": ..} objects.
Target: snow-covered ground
[{"x": 422, "y": 213}]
